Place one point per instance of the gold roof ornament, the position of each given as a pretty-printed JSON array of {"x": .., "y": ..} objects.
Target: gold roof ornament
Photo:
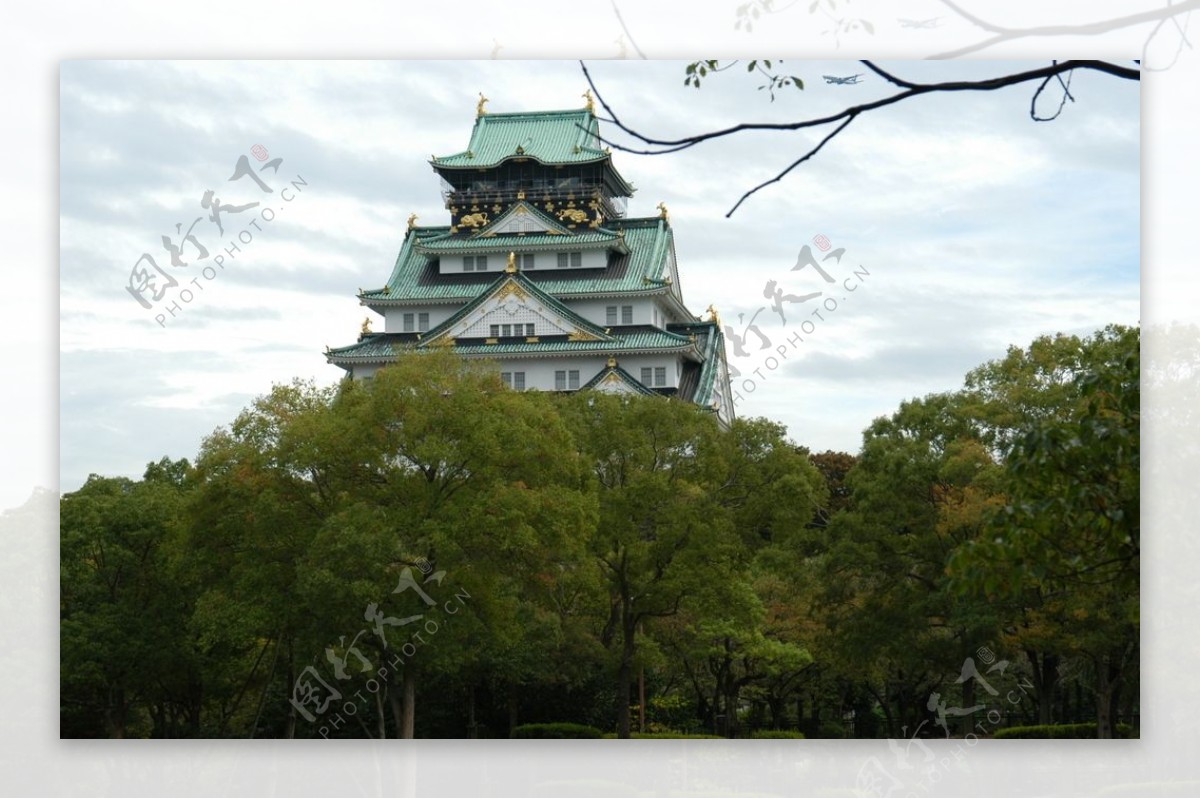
[
  {"x": 511, "y": 268},
  {"x": 612, "y": 363},
  {"x": 412, "y": 221},
  {"x": 713, "y": 316},
  {"x": 479, "y": 109},
  {"x": 662, "y": 211},
  {"x": 591, "y": 103},
  {"x": 366, "y": 326}
]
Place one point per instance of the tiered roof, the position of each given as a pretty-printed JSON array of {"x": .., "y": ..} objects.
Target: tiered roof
[
  {"x": 548, "y": 137},
  {"x": 639, "y": 266}
]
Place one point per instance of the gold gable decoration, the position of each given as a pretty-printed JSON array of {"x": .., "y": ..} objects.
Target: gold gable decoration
[{"x": 512, "y": 289}]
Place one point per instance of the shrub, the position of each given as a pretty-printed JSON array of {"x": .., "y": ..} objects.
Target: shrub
[
  {"x": 776, "y": 734},
  {"x": 560, "y": 729},
  {"x": 666, "y": 734},
  {"x": 1086, "y": 730}
]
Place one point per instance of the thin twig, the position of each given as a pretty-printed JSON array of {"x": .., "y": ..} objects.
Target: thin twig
[
  {"x": 1003, "y": 34},
  {"x": 625, "y": 28},
  {"x": 792, "y": 166},
  {"x": 846, "y": 115}
]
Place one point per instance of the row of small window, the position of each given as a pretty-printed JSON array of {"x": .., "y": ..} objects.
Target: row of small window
[
  {"x": 568, "y": 379},
  {"x": 564, "y": 380},
  {"x": 416, "y": 323},
  {"x": 610, "y": 315},
  {"x": 479, "y": 263},
  {"x": 497, "y": 331},
  {"x": 514, "y": 380},
  {"x": 659, "y": 373}
]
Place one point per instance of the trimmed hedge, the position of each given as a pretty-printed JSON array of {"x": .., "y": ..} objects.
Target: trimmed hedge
[
  {"x": 560, "y": 729},
  {"x": 1086, "y": 730},
  {"x": 776, "y": 734},
  {"x": 666, "y": 735}
]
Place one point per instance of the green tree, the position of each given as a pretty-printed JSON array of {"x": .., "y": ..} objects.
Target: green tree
[
  {"x": 921, "y": 487},
  {"x": 127, "y": 665},
  {"x": 340, "y": 497},
  {"x": 1067, "y": 541}
]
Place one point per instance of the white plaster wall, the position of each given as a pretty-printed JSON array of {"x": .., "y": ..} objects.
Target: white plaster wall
[
  {"x": 595, "y": 310},
  {"x": 539, "y": 372},
  {"x": 393, "y": 318},
  {"x": 542, "y": 261}
]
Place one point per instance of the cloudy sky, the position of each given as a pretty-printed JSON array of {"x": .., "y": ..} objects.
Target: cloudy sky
[{"x": 976, "y": 227}]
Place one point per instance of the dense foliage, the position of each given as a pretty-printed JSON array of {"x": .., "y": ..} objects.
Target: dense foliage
[
  {"x": 1086, "y": 730},
  {"x": 430, "y": 554},
  {"x": 560, "y": 729}
]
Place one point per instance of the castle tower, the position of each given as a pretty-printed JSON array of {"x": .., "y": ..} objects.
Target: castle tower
[{"x": 541, "y": 271}]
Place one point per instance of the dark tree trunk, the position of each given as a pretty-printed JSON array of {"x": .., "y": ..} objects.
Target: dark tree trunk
[
  {"x": 1108, "y": 686},
  {"x": 514, "y": 707},
  {"x": 1045, "y": 680},
  {"x": 624, "y": 681},
  {"x": 381, "y": 715},
  {"x": 775, "y": 704},
  {"x": 396, "y": 703},
  {"x": 407, "y": 731},
  {"x": 114, "y": 715},
  {"x": 472, "y": 727},
  {"x": 968, "y": 701}
]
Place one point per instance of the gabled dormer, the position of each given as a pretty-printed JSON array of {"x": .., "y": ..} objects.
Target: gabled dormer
[
  {"x": 520, "y": 219},
  {"x": 514, "y": 308}
]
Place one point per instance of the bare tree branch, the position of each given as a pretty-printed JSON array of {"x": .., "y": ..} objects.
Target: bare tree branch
[
  {"x": 1066, "y": 87},
  {"x": 790, "y": 167},
  {"x": 658, "y": 146},
  {"x": 1003, "y": 34},
  {"x": 625, "y": 28}
]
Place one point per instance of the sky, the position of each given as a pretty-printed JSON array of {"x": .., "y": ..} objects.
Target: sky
[{"x": 965, "y": 227}]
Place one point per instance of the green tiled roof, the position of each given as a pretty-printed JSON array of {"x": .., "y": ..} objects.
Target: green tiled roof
[
  {"x": 415, "y": 278},
  {"x": 549, "y": 137},
  {"x": 641, "y": 341},
  {"x": 380, "y": 347},
  {"x": 372, "y": 347},
  {"x": 453, "y": 243},
  {"x": 711, "y": 344}
]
